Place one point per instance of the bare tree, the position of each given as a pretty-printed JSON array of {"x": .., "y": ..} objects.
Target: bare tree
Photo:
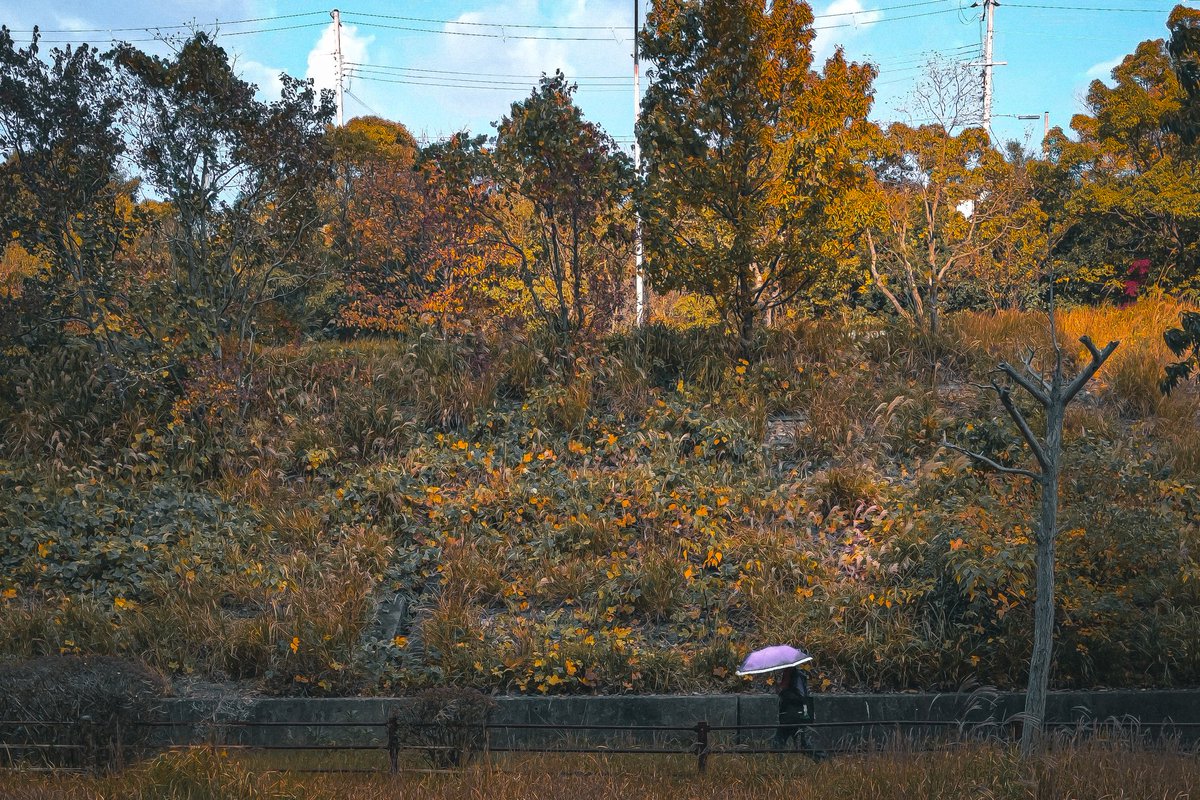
[
  {"x": 944, "y": 200},
  {"x": 1053, "y": 395},
  {"x": 946, "y": 95}
]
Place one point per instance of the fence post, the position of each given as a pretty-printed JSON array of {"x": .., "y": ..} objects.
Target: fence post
[
  {"x": 118, "y": 746},
  {"x": 91, "y": 748},
  {"x": 393, "y": 743},
  {"x": 701, "y": 745}
]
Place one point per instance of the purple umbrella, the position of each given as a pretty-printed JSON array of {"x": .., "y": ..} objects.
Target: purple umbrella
[{"x": 769, "y": 659}]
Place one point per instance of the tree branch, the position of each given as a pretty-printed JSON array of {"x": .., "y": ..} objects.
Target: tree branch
[
  {"x": 1025, "y": 383},
  {"x": 1085, "y": 375},
  {"x": 1033, "y": 373},
  {"x": 1030, "y": 437},
  {"x": 993, "y": 465}
]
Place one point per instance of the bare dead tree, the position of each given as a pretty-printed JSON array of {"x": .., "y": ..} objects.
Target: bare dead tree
[
  {"x": 1054, "y": 395},
  {"x": 947, "y": 95}
]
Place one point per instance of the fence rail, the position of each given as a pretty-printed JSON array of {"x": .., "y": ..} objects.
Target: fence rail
[{"x": 87, "y": 740}]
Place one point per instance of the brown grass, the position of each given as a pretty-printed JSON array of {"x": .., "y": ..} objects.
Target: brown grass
[{"x": 1087, "y": 770}]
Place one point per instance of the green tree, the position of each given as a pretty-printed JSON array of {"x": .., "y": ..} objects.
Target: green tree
[
  {"x": 559, "y": 205},
  {"x": 1128, "y": 189},
  {"x": 64, "y": 202},
  {"x": 1184, "y": 51},
  {"x": 241, "y": 176},
  {"x": 751, "y": 157},
  {"x": 1183, "y": 48}
]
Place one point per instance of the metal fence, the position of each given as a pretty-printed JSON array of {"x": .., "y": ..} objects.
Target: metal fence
[{"x": 87, "y": 745}]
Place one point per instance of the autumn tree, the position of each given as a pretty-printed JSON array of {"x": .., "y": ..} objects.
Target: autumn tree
[
  {"x": 1128, "y": 186},
  {"x": 750, "y": 155},
  {"x": 67, "y": 212},
  {"x": 241, "y": 177},
  {"x": 405, "y": 228},
  {"x": 558, "y": 204},
  {"x": 374, "y": 209},
  {"x": 949, "y": 209}
]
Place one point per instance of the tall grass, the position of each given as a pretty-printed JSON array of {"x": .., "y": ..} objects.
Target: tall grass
[{"x": 1079, "y": 772}]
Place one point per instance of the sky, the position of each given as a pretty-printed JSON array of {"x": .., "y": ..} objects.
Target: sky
[{"x": 454, "y": 65}]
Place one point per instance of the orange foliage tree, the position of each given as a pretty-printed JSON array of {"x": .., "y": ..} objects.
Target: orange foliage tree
[{"x": 410, "y": 245}]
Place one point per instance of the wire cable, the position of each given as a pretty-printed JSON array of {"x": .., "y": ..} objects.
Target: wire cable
[
  {"x": 1091, "y": 8},
  {"x": 360, "y": 65},
  {"x": 172, "y": 27},
  {"x": 481, "y": 84},
  {"x": 431, "y": 21},
  {"x": 354, "y": 19},
  {"x": 219, "y": 34}
]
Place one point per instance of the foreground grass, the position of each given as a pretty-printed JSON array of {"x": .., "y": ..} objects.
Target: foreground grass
[{"x": 1087, "y": 770}]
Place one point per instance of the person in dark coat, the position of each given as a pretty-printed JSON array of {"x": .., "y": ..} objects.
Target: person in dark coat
[{"x": 795, "y": 709}]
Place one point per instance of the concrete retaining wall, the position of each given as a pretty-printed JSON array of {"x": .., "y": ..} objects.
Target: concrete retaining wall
[{"x": 981, "y": 711}]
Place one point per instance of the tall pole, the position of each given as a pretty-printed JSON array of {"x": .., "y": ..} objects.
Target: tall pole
[
  {"x": 337, "y": 30},
  {"x": 639, "y": 315},
  {"x": 989, "y": 19}
]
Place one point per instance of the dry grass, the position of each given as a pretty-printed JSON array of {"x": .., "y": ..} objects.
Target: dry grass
[{"x": 1087, "y": 770}]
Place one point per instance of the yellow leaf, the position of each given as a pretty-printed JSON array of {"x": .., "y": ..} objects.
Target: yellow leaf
[{"x": 295, "y": 645}]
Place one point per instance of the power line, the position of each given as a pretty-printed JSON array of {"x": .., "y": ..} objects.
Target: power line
[
  {"x": 504, "y": 35},
  {"x": 924, "y": 58},
  {"x": 218, "y": 34},
  {"x": 1091, "y": 8},
  {"x": 442, "y": 73},
  {"x": 431, "y": 21},
  {"x": 479, "y": 84},
  {"x": 361, "y": 65},
  {"x": 172, "y": 27},
  {"x": 359, "y": 100}
]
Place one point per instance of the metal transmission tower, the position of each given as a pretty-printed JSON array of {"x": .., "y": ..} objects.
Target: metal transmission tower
[
  {"x": 341, "y": 101},
  {"x": 639, "y": 315}
]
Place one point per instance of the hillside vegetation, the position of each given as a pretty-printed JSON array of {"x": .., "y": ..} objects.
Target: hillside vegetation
[
  {"x": 633, "y": 520},
  {"x": 322, "y": 409}
]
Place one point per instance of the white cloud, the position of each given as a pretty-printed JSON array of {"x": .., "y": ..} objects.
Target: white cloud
[
  {"x": 519, "y": 61},
  {"x": 852, "y": 20},
  {"x": 1103, "y": 70},
  {"x": 72, "y": 23},
  {"x": 322, "y": 64},
  {"x": 264, "y": 77}
]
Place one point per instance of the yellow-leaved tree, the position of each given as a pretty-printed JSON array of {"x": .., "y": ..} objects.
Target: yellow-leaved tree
[{"x": 753, "y": 159}]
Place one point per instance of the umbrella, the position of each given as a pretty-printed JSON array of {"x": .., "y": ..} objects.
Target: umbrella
[{"x": 769, "y": 659}]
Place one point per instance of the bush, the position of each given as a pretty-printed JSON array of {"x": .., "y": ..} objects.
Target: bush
[
  {"x": 448, "y": 723},
  {"x": 86, "y": 708}
]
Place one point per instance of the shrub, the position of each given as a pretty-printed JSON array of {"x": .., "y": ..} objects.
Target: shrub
[
  {"x": 86, "y": 708},
  {"x": 448, "y": 723}
]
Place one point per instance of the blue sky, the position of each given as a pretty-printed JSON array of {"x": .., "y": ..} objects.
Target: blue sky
[{"x": 440, "y": 67}]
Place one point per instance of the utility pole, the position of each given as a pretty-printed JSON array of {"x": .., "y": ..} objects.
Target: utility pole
[
  {"x": 337, "y": 23},
  {"x": 639, "y": 315},
  {"x": 989, "y": 19}
]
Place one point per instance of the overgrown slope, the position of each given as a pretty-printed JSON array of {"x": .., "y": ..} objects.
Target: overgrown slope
[{"x": 632, "y": 519}]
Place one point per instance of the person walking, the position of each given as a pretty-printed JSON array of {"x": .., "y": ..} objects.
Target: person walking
[{"x": 795, "y": 709}]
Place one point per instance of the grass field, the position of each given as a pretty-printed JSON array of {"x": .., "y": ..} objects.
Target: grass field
[{"x": 1082, "y": 770}]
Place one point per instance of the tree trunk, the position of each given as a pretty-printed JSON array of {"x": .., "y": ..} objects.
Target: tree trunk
[
  {"x": 1054, "y": 396},
  {"x": 1043, "y": 609},
  {"x": 746, "y": 332}
]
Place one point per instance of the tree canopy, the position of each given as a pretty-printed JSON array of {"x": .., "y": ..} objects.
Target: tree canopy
[{"x": 751, "y": 156}]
